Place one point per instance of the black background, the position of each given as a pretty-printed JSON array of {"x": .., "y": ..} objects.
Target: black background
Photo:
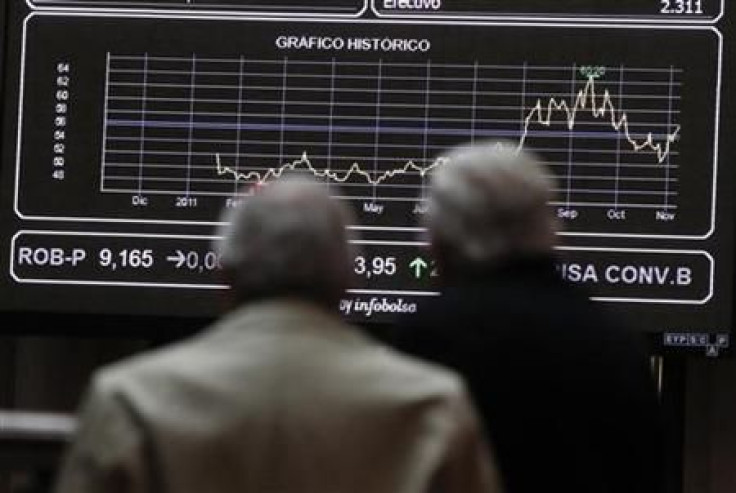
[{"x": 85, "y": 41}]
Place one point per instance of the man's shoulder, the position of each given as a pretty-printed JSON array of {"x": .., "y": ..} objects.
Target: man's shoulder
[
  {"x": 228, "y": 345},
  {"x": 402, "y": 374},
  {"x": 148, "y": 368},
  {"x": 218, "y": 339}
]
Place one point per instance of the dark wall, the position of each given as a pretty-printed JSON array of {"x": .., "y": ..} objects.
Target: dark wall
[
  {"x": 50, "y": 374},
  {"x": 710, "y": 427}
]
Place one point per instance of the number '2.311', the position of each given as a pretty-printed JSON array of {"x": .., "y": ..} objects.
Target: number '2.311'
[{"x": 682, "y": 7}]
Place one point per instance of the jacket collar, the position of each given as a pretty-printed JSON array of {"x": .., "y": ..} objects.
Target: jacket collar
[{"x": 283, "y": 314}]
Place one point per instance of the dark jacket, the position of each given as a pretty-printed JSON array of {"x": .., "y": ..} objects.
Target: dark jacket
[{"x": 565, "y": 392}]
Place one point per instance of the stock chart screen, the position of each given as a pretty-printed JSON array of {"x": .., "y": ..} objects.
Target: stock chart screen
[{"x": 129, "y": 126}]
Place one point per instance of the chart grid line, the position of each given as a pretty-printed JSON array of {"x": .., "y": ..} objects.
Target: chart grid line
[
  {"x": 105, "y": 110},
  {"x": 669, "y": 120},
  {"x": 142, "y": 147},
  {"x": 234, "y": 128},
  {"x": 192, "y": 102},
  {"x": 618, "y": 142}
]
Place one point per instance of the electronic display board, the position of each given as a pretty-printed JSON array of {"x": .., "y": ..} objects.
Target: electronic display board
[
  {"x": 664, "y": 11},
  {"x": 130, "y": 125}
]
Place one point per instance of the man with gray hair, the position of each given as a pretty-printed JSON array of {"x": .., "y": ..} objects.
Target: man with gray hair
[
  {"x": 489, "y": 203},
  {"x": 279, "y": 396},
  {"x": 565, "y": 393}
]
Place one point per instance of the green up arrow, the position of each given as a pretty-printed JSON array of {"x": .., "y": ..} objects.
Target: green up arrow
[{"x": 418, "y": 265}]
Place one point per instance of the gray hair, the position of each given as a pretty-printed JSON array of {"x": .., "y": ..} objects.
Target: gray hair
[
  {"x": 488, "y": 202},
  {"x": 288, "y": 239}
]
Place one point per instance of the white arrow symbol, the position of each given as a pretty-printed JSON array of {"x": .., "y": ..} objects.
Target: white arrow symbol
[
  {"x": 179, "y": 258},
  {"x": 418, "y": 264}
]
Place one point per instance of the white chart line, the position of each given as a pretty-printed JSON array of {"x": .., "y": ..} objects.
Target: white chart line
[
  {"x": 421, "y": 92},
  {"x": 376, "y": 139},
  {"x": 618, "y": 142},
  {"x": 192, "y": 102},
  {"x": 601, "y": 205},
  {"x": 105, "y": 120},
  {"x": 350, "y": 104},
  {"x": 297, "y": 115},
  {"x": 550, "y": 108},
  {"x": 142, "y": 147},
  {"x": 275, "y": 157},
  {"x": 669, "y": 120},
  {"x": 563, "y": 68},
  {"x": 570, "y": 140},
  {"x": 123, "y": 166},
  {"x": 238, "y": 134},
  {"x": 510, "y": 80},
  {"x": 330, "y": 121}
]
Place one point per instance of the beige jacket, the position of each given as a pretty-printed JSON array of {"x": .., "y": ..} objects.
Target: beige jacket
[{"x": 278, "y": 397}]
